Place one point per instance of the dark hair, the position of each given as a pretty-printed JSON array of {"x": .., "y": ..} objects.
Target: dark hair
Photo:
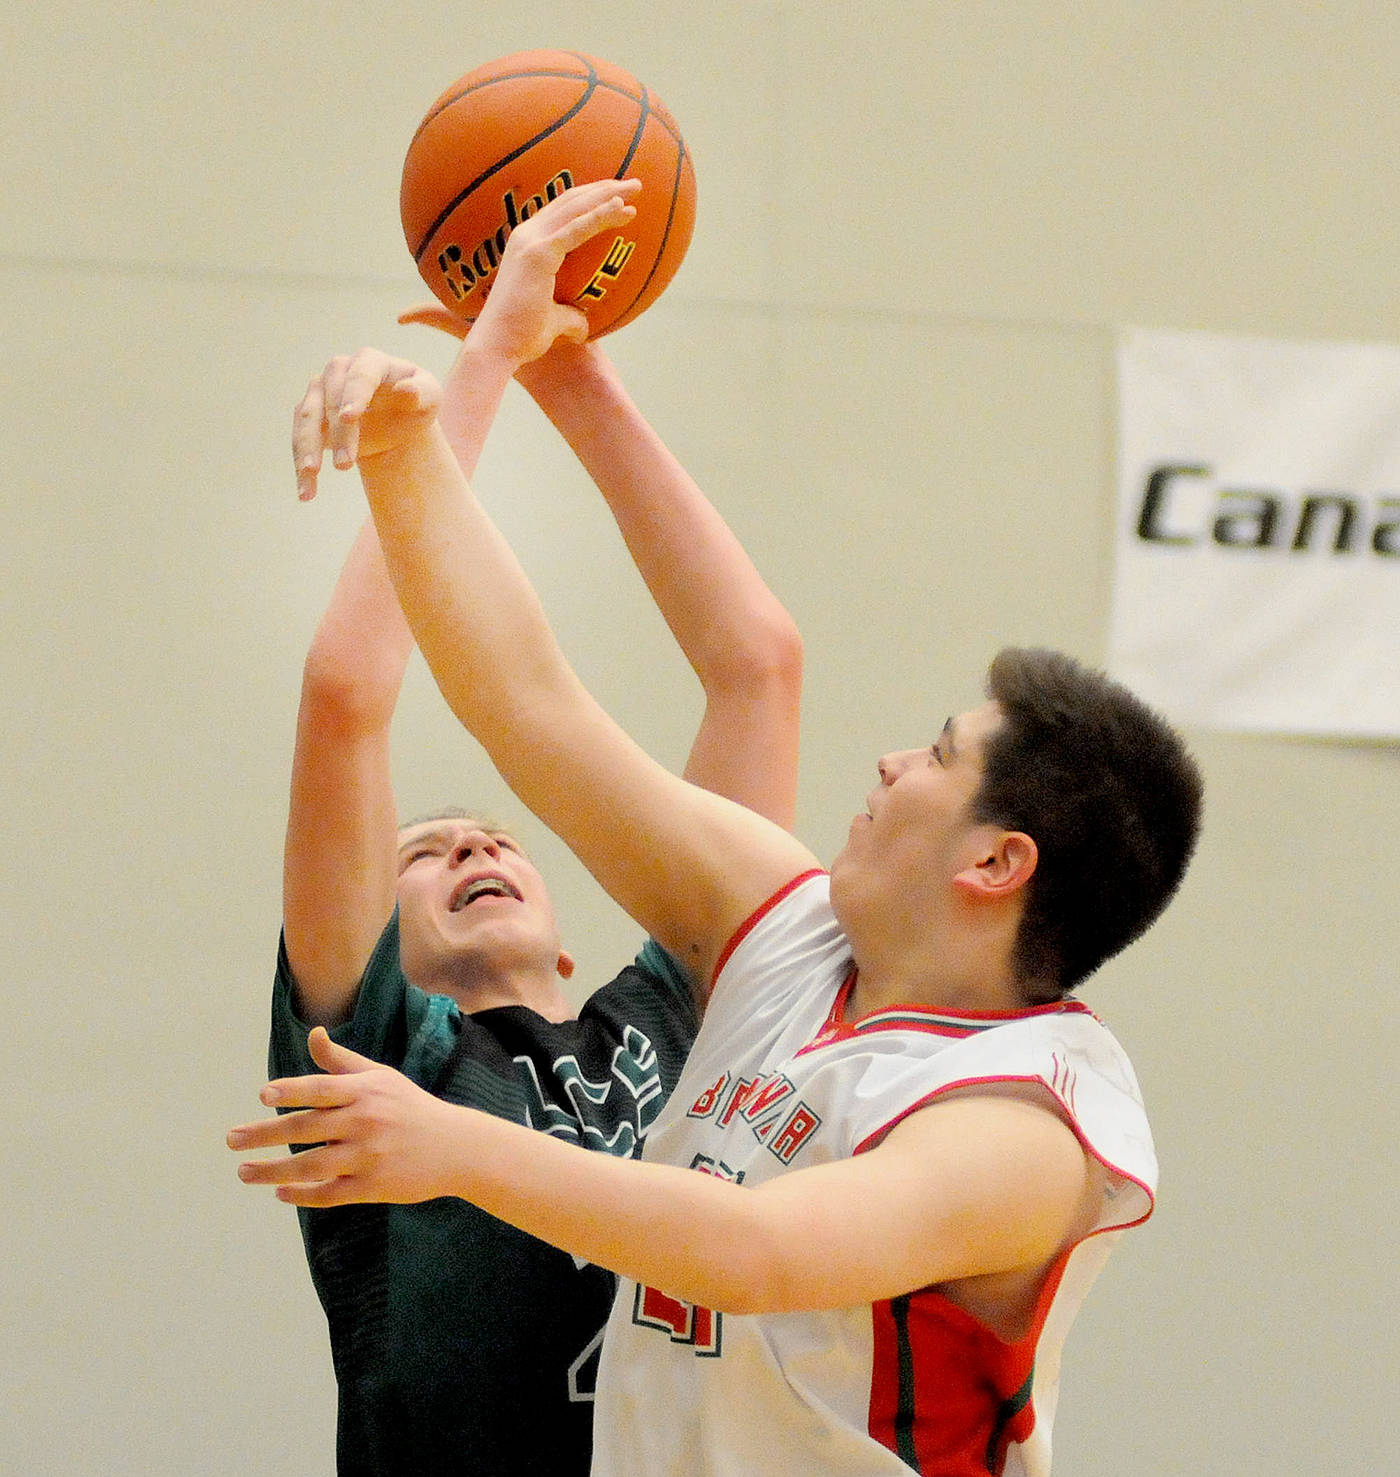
[{"x": 1111, "y": 797}]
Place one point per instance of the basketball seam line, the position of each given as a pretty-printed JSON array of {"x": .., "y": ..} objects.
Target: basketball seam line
[
  {"x": 495, "y": 168},
  {"x": 439, "y": 109},
  {"x": 643, "y": 113},
  {"x": 623, "y": 316},
  {"x": 592, "y": 79}
]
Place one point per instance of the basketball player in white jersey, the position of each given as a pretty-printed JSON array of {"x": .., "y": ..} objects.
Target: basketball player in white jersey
[{"x": 914, "y": 1146}]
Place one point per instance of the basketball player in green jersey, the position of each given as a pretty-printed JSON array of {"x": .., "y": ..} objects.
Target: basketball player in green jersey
[{"x": 461, "y": 1344}]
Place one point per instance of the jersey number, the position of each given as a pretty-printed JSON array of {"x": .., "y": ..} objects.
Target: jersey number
[{"x": 684, "y": 1322}]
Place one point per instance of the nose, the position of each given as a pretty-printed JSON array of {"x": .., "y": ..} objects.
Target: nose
[
  {"x": 891, "y": 766},
  {"x": 472, "y": 843}
]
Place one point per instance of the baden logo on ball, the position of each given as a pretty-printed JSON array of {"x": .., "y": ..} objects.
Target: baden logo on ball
[{"x": 508, "y": 137}]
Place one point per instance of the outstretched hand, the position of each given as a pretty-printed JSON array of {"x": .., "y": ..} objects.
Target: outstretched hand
[
  {"x": 376, "y": 1134},
  {"x": 521, "y": 319},
  {"x": 359, "y": 406}
]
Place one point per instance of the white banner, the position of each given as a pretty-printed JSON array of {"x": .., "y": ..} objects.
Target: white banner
[{"x": 1257, "y": 584}]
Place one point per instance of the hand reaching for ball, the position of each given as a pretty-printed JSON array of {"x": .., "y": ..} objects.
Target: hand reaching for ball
[
  {"x": 363, "y": 405},
  {"x": 521, "y": 318},
  {"x": 511, "y": 136}
]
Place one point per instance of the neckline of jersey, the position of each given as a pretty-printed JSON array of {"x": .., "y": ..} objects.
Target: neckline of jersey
[{"x": 913, "y": 1017}]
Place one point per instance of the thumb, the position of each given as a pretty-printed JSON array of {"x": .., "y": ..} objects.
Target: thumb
[
  {"x": 572, "y": 323},
  {"x": 330, "y": 1056},
  {"x": 434, "y": 315}
]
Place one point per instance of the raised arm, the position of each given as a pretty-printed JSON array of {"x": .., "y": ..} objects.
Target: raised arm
[
  {"x": 740, "y": 641},
  {"x": 687, "y": 865},
  {"x": 340, "y": 857},
  {"x": 339, "y": 860}
]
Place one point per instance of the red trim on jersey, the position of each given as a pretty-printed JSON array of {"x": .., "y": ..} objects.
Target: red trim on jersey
[
  {"x": 956, "y": 1024},
  {"x": 873, "y": 1139},
  {"x": 746, "y": 927},
  {"x": 947, "y": 1395}
]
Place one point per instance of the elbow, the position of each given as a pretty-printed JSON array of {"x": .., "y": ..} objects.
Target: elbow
[
  {"x": 340, "y": 698},
  {"x": 767, "y": 663},
  {"x": 783, "y": 655}
]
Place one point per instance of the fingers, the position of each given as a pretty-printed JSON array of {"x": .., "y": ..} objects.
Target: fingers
[
  {"x": 317, "y": 424},
  {"x": 308, "y": 443},
  {"x": 333, "y": 1057},
  {"x": 572, "y": 218},
  {"x": 332, "y": 411},
  {"x": 342, "y": 1191},
  {"x": 312, "y": 1126},
  {"x": 575, "y": 324},
  {"x": 318, "y": 1177},
  {"x": 350, "y": 386},
  {"x": 318, "y": 1089},
  {"x": 593, "y": 208},
  {"x": 314, "y": 1166},
  {"x": 320, "y": 1099}
]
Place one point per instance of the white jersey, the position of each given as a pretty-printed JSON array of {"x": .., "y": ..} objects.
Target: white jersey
[{"x": 779, "y": 1079}]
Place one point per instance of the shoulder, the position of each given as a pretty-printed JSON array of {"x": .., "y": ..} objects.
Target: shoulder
[
  {"x": 648, "y": 1006},
  {"x": 788, "y": 951},
  {"x": 794, "y": 926},
  {"x": 1066, "y": 1061},
  {"x": 391, "y": 1019}
]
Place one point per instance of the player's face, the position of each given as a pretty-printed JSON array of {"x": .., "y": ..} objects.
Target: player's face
[
  {"x": 917, "y": 830},
  {"x": 469, "y": 896}
]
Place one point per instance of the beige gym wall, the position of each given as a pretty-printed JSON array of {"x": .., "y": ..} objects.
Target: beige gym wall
[{"x": 889, "y": 358}]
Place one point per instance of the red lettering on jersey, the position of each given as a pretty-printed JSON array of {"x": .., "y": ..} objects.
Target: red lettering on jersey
[
  {"x": 683, "y": 1322},
  {"x": 801, "y": 1124},
  {"x": 708, "y": 1100},
  {"x": 764, "y": 1099},
  {"x": 737, "y": 1098}
]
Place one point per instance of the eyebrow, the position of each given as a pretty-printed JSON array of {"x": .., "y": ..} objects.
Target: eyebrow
[
  {"x": 439, "y": 836},
  {"x": 945, "y": 738},
  {"x": 423, "y": 838}
]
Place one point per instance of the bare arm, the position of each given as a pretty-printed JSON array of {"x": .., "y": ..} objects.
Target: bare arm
[
  {"x": 972, "y": 1187},
  {"x": 738, "y": 639},
  {"x": 339, "y": 860},
  {"x": 688, "y": 866}
]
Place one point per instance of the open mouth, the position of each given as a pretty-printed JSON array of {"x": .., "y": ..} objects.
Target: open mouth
[{"x": 480, "y": 887}]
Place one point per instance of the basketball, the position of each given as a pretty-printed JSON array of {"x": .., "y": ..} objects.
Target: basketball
[{"x": 507, "y": 138}]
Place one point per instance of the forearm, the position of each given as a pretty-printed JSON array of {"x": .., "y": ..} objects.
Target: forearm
[
  {"x": 691, "y": 1235},
  {"x": 995, "y": 1185},
  {"x": 471, "y": 396},
  {"x": 667, "y": 853},
  {"x": 468, "y": 602},
  {"x": 716, "y": 603},
  {"x": 338, "y": 863},
  {"x": 355, "y": 665},
  {"x": 736, "y": 635}
]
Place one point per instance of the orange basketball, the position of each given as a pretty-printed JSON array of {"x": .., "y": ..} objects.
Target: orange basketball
[{"x": 513, "y": 134}]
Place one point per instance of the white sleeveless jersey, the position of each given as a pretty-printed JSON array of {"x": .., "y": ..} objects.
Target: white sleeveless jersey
[{"x": 779, "y": 1079}]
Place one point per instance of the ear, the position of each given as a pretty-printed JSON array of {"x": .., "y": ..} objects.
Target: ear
[
  {"x": 1003, "y": 867},
  {"x": 565, "y": 965}
]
